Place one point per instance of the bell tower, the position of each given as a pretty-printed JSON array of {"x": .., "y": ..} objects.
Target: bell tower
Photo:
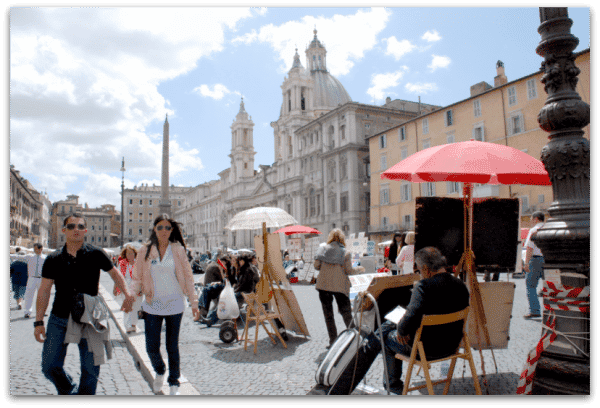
[{"x": 242, "y": 145}]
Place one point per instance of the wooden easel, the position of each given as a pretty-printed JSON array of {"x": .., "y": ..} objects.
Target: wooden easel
[
  {"x": 257, "y": 313},
  {"x": 467, "y": 265},
  {"x": 268, "y": 286}
]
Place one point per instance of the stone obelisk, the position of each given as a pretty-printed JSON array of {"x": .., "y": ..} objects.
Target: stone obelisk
[{"x": 165, "y": 203}]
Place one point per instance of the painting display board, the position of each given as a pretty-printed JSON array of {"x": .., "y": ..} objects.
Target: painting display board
[
  {"x": 360, "y": 283},
  {"x": 357, "y": 246},
  {"x": 440, "y": 223},
  {"x": 277, "y": 270},
  {"x": 294, "y": 248},
  {"x": 311, "y": 246},
  {"x": 291, "y": 315}
]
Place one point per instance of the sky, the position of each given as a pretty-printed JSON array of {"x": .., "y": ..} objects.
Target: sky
[{"x": 89, "y": 86}]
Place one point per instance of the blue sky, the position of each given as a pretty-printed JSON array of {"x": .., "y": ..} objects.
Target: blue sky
[{"x": 89, "y": 86}]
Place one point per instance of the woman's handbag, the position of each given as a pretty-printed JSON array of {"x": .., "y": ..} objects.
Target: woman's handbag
[{"x": 228, "y": 307}]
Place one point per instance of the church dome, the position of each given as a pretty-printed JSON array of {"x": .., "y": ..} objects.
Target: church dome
[{"x": 328, "y": 91}]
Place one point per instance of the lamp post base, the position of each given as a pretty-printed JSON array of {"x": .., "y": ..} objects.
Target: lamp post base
[{"x": 560, "y": 375}]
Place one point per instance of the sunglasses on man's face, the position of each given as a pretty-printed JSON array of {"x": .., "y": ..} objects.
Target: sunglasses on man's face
[
  {"x": 167, "y": 227},
  {"x": 71, "y": 227}
]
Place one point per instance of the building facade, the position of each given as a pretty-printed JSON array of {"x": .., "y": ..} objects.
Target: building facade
[
  {"x": 141, "y": 205},
  {"x": 505, "y": 113},
  {"x": 25, "y": 212},
  {"x": 321, "y": 167},
  {"x": 103, "y": 223}
]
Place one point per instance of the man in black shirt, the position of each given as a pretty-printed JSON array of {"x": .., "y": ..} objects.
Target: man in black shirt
[
  {"x": 438, "y": 292},
  {"x": 73, "y": 269}
]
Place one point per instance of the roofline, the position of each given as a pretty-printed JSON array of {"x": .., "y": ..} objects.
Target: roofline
[{"x": 587, "y": 50}]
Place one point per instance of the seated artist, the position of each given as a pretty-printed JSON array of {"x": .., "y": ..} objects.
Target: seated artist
[
  {"x": 214, "y": 282},
  {"x": 438, "y": 292}
]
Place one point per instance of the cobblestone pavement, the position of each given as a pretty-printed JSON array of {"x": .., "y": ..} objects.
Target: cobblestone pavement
[
  {"x": 118, "y": 376},
  {"x": 216, "y": 368}
]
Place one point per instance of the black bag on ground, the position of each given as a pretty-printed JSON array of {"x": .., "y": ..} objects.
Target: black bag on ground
[{"x": 337, "y": 358}]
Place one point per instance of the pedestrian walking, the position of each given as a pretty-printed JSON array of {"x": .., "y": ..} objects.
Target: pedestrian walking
[
  {"x": 534, "y": 259},
  {"x": 126, "y": 262},
  {"x": 34, "y": 280},
  {"x": 18, "y": 277},
  {"x": 334, "y": 264},
  {"x": 74, "y": 269},
  {"x": 164, "y": 275},
  {"x": 405, "y": 260}
]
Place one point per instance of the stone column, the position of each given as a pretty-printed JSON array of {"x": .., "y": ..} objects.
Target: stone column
[
  {"x": 165, "y": 203},
  {"x": 565, "y": 237}
]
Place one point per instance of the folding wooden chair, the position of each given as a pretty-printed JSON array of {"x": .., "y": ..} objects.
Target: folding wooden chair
[
  {"x": 422, "y": 362},
  {"x": 257, "y": 313}
]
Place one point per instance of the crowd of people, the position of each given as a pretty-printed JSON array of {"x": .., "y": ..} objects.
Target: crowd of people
[{"x": 154, "y": 281}]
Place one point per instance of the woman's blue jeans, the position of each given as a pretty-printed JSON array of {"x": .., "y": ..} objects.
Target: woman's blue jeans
[
  {"x": 53, "y": 361},
  {"x": 153, "y": 327},
  {"x": 536, "y": 272}
]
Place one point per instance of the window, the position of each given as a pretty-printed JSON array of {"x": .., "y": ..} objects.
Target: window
[
  {"x": 343, "y": 131},
  {"x": 477, "y": 108},
  {"x": 141, "y": 215},
  {"x": 382, "y": 142},
  {"x": 402, "y": 134},
  {"x": 516, "y": 124},
  {"x": 531, "y": 89},
  {"x": 425, "y": 126},
  {"x": 150, "y": 216},
  {"x": 313, "y": 202},
  {"x": 426, "y": 144},
  {"x": 450, "y": 138},
  {"x": 478, "y": 133},
  {"x": 149, "y": 202},
  {"x": 93, "y": 227},
  {"x": 403, "y": 152},
  {"x": 448, "y": 118},
  {"x": 130, "y": 231},
  {"x": 408, "y": 221},
  {"x": 179, "y": 203},
  {"x": 429, "y": 189},
  {"x": 140, "y": 232},
  {"x": 384, "y": 195},
  {"x": 452, "y": 187},
  {"x": 405, "y": 192},
  {"x": 524, "y": 203},
  {"x": 141, "y": 201},
  {"x": 344, "y": 202},
  {"x": 540, "y": 198},
  {"x": 512, "y": 96},
  {"x": 332, "y": 202},
  {"x": 383, "y": 162},
  {"x": 384, "y": 221}
]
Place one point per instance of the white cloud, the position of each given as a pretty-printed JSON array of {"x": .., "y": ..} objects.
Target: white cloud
[
  {"x": 380, "y": 83},
  {"x": 218, "y": 91},
  {"x": 438, "y": 61},
  {"x": 346, "y": 37},
  {"x": 431, "y": 36},
  {"x": 84, "y": 89},
  {"x": 398, "y": 48},
  {"x": 420, "y": 88}
]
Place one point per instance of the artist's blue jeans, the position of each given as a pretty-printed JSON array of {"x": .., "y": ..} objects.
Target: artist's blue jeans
[
  {"x": 212, "y": 317},
  {"x": 210, "y": 292},
  {"x": 53, "y": 361},
  {"x": 531, "y": 282},
  {"x": 153, "y": 326}
]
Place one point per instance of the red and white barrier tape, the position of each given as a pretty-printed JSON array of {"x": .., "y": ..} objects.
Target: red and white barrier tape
[
  {"x": 558, "y": 291},
  {"x": 526, "y": 381}
]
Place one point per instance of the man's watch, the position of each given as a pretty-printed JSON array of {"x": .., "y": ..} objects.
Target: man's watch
[{"x": 38, "y": 323}]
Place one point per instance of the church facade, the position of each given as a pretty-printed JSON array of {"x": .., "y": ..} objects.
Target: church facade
[{"x": 321, "y": 169}]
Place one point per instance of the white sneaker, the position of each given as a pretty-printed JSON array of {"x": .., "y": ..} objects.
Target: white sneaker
[
  {"x": 174, "y": 390},
  {"x": 158, "y": 383}
]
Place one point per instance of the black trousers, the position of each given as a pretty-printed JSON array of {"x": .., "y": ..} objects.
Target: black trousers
[{"x": 343, "y": 303}]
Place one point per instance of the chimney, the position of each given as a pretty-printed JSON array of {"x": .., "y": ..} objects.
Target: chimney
[{"x": 500, "y": 78}]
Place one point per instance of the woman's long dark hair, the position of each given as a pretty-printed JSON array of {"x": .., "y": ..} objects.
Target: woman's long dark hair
[{"x": 174, "y": 237}]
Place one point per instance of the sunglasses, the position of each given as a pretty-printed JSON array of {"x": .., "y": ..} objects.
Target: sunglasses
[
  {"x": 71, "y": 227},
  {"x": 167, "y": 227}
]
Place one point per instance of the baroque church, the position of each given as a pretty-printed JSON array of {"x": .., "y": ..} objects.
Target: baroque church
[{"x": 321, "y": 168}]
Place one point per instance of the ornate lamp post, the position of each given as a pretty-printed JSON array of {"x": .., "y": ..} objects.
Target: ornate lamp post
[
  {"x": 564, "y": 367},
  {"x": 122, "y": 201}
]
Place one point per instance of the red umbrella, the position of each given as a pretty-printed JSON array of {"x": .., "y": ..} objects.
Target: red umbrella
[
  {"x": 297, "y": 229},
  {"x": 471, "y": 162}
]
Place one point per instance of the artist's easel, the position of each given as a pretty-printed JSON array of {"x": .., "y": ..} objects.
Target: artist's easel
[
  {"x": 266, "y": 287},
  {"x": 467, "y": 265}
]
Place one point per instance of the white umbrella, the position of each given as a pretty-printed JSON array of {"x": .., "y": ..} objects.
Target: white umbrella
[
  {"x": 255, "y": 217},
  {"x": 385, "y": 243}
]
